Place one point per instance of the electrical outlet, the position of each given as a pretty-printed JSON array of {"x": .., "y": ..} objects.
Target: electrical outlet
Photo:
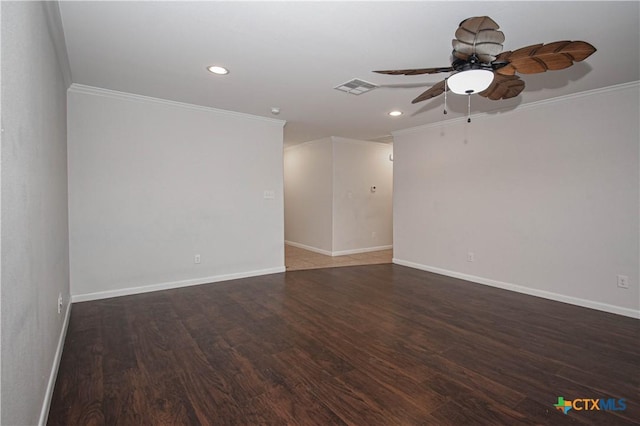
[
  {"x": 59, "y": 303},
  {"x": 623, "y": 281},
  {"x": 196, "y": 259},
  {"x": 471, "y": 257}
]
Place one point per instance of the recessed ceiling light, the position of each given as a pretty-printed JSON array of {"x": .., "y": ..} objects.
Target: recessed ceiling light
[
  {"x": 395, "y": 113},
  {"x": 218, "y": 70}
]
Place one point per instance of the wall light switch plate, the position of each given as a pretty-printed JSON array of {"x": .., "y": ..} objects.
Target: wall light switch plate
[{"x": 269, "y": 194}]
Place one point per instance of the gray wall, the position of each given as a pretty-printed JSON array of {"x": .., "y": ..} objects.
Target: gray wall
[
  {"x": 34, "y": 230},
  {"x": 308, "y": 185},
  {"x": 545, "y": 196},
  {"x": 152, "y": 183},
  {"x": 362, "y": 219}
]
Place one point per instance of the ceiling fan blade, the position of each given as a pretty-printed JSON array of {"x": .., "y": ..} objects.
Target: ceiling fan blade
[
  {"x": 545, "y": 57},
  {"x": 416, "y": 71},
  {"x": 478, "y": 36},
  {"x": 503, "y": 87},
  {"x": 436, "y": 90},
  {"x": 405, "y": 85}
]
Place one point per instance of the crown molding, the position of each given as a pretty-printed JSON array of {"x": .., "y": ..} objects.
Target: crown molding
[
  {"x": 341, "y": 139},
  {"x": 530, "y": 105},
  {"x": 303, "y": 144},
  {"x": 387, "y": 139},
  {"x": 114, "y": 94},
  {"x": 54, "y": 25}
]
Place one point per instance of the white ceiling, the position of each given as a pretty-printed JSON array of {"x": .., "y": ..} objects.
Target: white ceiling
[{"x": 291, "y": 54}]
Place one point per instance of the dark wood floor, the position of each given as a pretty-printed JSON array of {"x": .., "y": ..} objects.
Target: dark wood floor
[{"x": 363, "y": 345}]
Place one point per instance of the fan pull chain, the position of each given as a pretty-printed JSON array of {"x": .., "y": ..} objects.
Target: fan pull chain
[
  {"x": 445, "y": 96},
  {"x": 469, "y": 108}
]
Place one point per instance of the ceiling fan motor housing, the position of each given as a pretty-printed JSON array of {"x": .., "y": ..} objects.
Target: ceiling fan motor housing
[{"x": 472, "y": 63}]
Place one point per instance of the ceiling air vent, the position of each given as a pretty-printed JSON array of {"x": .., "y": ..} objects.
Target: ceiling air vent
[{"x": 356, "y": 87}]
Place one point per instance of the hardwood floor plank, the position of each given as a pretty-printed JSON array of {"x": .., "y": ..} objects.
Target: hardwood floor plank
[
  {"x": 406, "y": 409},
  {"x": 82, "y": 387},
  {"x": 296, "y": 406},
  {"x": 474, "y": 410},
  {"x": 167, "y": 404},
  {"x": 544, "y": 414},
  {"x": 490, "y": 389},
  {"x": 363, "y": 345},
  {"x": 275, "y": 373},
  {"x": 600, "y": 383},
  {"x": 349, "y": 404}
]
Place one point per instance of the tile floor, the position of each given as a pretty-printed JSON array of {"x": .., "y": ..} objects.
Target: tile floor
[{"x": 296, "y": 259}]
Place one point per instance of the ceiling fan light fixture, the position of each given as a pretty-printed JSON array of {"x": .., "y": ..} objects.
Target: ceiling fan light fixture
[{"x": 470, "y": 81}]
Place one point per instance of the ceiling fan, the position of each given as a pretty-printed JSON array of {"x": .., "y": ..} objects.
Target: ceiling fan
[{"x": 479, "y": 65}]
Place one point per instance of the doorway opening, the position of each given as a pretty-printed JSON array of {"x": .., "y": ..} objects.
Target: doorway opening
[{"x": 338, "y": 203}]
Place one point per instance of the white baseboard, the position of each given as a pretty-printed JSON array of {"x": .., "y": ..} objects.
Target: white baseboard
[
  {"x": 310, "y": 248},
  {"x": 361, "y": 250},
  {"x": 340, "y": 252},
  {"x": 46, "y": 403},
  {"x": 174, "y": 284},
  {"x": 525, "y": 290}
]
